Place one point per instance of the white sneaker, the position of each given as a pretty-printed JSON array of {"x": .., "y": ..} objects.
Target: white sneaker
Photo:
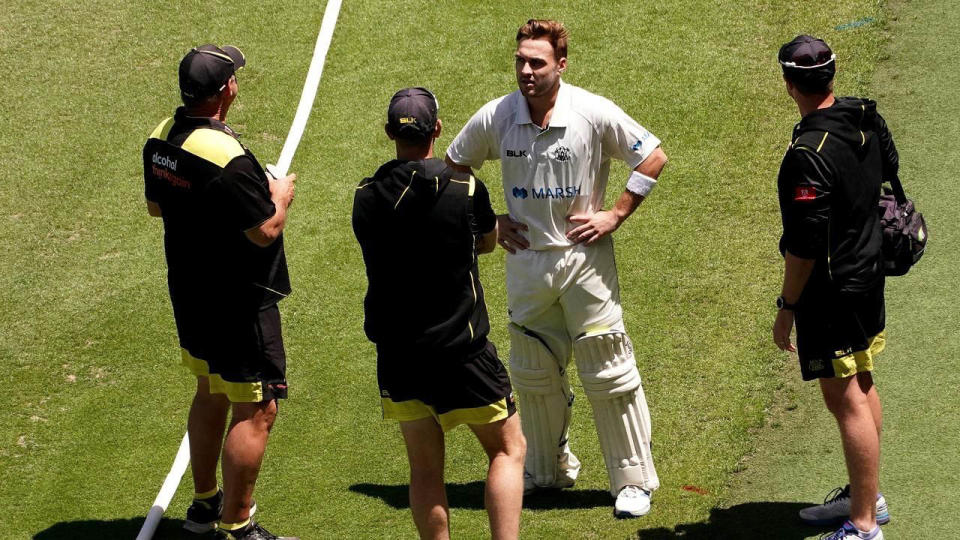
[
  {"x": 632, "y": 502},
  {"x": 850, "y": 532},
  {"x": 836, "y": 508}
]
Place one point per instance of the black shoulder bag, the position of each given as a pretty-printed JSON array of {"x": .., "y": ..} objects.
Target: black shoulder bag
[{"x": 904, "y": 230}]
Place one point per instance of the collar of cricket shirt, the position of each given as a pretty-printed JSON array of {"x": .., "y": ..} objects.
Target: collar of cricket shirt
[{"x": 561, "y": 109}]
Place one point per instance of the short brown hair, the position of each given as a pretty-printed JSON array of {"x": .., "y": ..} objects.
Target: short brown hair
[{"x": 552, "y": 31}]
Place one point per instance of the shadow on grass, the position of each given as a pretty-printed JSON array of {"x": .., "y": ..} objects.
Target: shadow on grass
[
  {"x": 470, "y": 496},
  {"x": 748, "y": 520},
  {"x": 169, "y": 529}
]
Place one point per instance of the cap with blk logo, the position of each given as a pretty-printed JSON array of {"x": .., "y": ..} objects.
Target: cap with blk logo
[{"x": 412, "y": 114}]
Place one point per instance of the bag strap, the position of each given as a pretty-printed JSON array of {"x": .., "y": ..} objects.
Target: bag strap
[{"x": 898, "y": 192}]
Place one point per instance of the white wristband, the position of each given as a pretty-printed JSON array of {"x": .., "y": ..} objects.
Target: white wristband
[{"x": 640, "y": 183}]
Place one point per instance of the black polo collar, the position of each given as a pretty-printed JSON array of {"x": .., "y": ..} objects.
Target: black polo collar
[{"x": 181, "y": 118}]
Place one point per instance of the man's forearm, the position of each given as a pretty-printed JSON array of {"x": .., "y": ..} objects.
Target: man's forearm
[
  {"x": 629, "y": 201},
  {"x": 796, "y": 273},
  {"x": 625, "y": 205},
  {"x": 267, "y": 232}
]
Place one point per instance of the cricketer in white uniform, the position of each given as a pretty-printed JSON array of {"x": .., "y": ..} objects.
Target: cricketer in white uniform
[{"x": 555, "y": 142}]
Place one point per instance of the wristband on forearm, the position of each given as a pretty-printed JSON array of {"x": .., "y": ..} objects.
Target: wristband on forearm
[{"x": 640, "y": 184}]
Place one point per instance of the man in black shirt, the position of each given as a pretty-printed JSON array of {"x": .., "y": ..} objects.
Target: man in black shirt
[
  {"x": 223, "y": 222},
  {"x": 420, "y": 226},
  {"x": 829, "y": 187}
]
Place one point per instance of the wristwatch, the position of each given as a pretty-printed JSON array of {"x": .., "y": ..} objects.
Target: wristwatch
[{"x": 782, "y": 304}]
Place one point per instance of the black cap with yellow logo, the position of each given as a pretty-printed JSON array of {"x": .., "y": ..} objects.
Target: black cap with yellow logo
[{"x": 412, "y": 114}]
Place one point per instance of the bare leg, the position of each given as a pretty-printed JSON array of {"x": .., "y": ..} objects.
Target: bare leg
[
  {"x": 207, "y": 420},
  {"x": 865, "y": 380},
  {"x": 503, "y": 495},
  {"x": 428, "y": 497},
  {"x": 243, "y": 454},
  {"x": 861, "y": 445}
]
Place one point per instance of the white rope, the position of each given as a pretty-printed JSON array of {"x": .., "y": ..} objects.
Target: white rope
[
  {"x": 309, "y": 90},
  {"x": 167, "y": 490}
]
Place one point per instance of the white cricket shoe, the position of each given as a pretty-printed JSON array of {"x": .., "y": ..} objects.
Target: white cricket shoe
[
  {"x": 632, "y": 502},
  {"x": 836, "y": 508},
  {"x": 850, "y": 532}
]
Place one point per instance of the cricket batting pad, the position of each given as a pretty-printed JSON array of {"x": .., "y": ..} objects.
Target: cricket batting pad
[
  {"x": 545, "y": 400},
  {"x": 611, "y": 381}
]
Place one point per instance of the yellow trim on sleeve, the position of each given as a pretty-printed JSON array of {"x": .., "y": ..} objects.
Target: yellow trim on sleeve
[
  {"x": 823, "y": 140},
  {"x": 162, "y": 129},
  {"x": 473, "y": 186},
  {"x": 212, "y": 145}
]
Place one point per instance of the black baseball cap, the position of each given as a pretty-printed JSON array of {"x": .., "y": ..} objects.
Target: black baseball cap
[
  {"x": 808, "y": 62},
  {"x": 806, "y": 52},
  {"x": 207, "y": 68},
  {"x": 412, "y": 114}
]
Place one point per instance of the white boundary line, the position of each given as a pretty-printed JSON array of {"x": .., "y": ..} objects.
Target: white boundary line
[{"x": 279, "y": 170}]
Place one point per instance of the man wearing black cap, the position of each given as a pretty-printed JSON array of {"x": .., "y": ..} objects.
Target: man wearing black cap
[
  {"x": 420, "y": 226},
  {"x": 223, "y": 222},
  {"x": 829, "y": 187}
]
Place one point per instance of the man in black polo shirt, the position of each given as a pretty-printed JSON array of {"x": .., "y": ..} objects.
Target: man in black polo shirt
[
  {"x": 223, "y": 222},
  {"x": 829, "y": 187},
  {"x": 420, "y": 226}
]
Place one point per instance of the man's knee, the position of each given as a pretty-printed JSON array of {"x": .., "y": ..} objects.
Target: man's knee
[
  {"x": 514, "y": 443},
  {"x": 263, "y": 414},
  {"x": 843, "y": 396},
  {"x": 606, "y": 365}
]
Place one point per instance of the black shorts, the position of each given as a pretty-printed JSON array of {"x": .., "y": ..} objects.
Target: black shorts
[
  {"x": 455, "y": 388},
  {"x": 838, "y": 333},
  {"x": 243, "y": 357}
]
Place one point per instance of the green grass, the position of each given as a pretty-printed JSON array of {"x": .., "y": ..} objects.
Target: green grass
[
  {"x": 798, "y": 457},
  {"x": 96, "y": 400}
]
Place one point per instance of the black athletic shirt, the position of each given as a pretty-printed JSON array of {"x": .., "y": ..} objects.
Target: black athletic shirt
[
  {"x": 417, "y": 223},
  {"x": 210, "y": 190},
  {"x": 829, "y": 188}
]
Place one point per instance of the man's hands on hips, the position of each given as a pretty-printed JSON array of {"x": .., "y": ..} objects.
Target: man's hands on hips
[
  {"x": 782, "y": 326},
  {"x": 511, "y": 237},
  {"x": 592, "y": 227}
]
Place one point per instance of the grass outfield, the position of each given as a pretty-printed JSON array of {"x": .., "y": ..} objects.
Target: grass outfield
[
  {"x": 798, "y": 456},
  {"x": 88, "y": 354}
]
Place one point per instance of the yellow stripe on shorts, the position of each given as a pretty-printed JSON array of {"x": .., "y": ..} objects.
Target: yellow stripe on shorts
[
  {"x": 414, "y": 409},
  {"x": 859, "y": 361},
  {"x": 237, "y": 392}
]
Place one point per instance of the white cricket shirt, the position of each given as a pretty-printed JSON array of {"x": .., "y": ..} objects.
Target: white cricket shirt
[{"x": 553, "y": 173}]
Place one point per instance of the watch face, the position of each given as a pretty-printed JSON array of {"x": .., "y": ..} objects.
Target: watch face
[{"x": 780, "y": 302}]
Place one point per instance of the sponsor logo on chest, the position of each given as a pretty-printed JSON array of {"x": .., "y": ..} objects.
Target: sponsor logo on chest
[
  {"x": 164, "y": 161},
  {"x": 546, "y": 192}
]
